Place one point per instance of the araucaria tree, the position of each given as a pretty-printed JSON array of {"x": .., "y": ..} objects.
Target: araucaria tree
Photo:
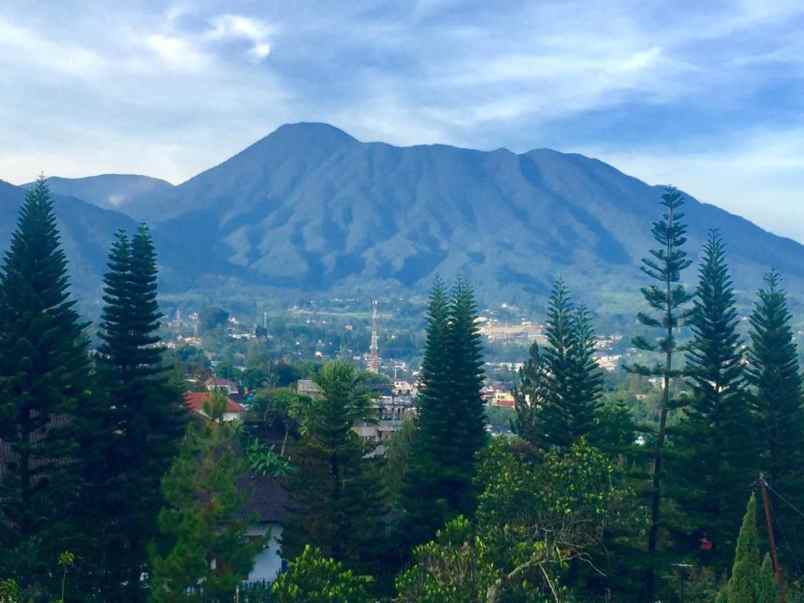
[
  {"x": 714, "y": 457},
  {"x": 776, "y": 384},
  {"x": 450, "y": 427},
  {"x": 572, "y": 377},
  {"x": 669, "y": 301},
  {"x": 530, "y": 394},
  {"x": 336, "y": 500},
  {"x": 44, "y": 373},
  {"x": 136, "y": 421}
]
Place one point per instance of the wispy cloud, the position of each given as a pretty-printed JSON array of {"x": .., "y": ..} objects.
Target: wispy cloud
[{"x": 675, "y": 92}]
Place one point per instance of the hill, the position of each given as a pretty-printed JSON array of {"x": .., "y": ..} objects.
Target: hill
[
  {"x": 311, "y": 208},
  {"x": 108, "y": 191}
]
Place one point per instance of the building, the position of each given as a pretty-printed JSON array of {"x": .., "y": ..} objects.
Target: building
[
  {"x": 266, "y": 506},
  {"x": 391, "y": 411},
  {"x": 196, "y": 402},
  {"x": 309, "y": 388},
  {"x": 224, "y": 385}
]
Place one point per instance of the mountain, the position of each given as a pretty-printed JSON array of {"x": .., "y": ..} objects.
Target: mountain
[
  {"x": 311, "y": 208},
  {"x": 86, "y": 232},
  {"x": 108, "y": 191}
]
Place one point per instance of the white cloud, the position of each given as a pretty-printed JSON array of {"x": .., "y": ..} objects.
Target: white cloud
[{"x": 238, "y": 27}]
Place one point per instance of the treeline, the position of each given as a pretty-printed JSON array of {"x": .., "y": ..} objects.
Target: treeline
[
  {"x": 109, "y": 493},
  {"x": 86, "y": 435},
  {"x": 583, "y": 503}
]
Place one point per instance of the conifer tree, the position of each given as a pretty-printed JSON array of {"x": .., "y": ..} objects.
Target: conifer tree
[
  {"x": 714, "y": 461},
  {"x": 467, "y": 410},
  {"x": 776, "y": 383},
  {"x": 424, "y": 496},
  {"x": 44, "y": 373},
  {"x": 573, "y": 379},
  {"x": 337, "y": 501},
  {"x": 747, "y": 583},
  {"x": 669, "y": 301},
  {"x": 450, "y": 426},
  {"x": 135, "y": 423}
]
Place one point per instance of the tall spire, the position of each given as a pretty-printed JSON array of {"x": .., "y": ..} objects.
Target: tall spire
[{"x": 373, "y": 360}]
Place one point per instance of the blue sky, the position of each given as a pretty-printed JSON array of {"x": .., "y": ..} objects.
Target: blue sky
[{"x": 708, "y": 96}]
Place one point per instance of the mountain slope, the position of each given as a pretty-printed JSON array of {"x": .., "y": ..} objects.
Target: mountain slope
[
  {"x": 309, "y": 207},
  {"x": 108, "y": 191},
  {"x": 86, "y": 233}
]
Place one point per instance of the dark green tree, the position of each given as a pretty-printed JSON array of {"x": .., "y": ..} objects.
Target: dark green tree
[
  {"x": 466, "y": 408},
  {"x": 136, "y": 421},
  {"x": 450, "y": 427},
  {"x": 776, "y": 384},
  {"x": 424, "y": 492},
  {"x": 669, "y": 301},
  {"x": 44, "y": 381},
  {"x": 714, "y": 459},
  {"x": 573, "y": 378},
  {"x": 336, "y": 497}
]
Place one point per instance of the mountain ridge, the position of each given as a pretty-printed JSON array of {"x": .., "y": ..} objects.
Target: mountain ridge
[{"x": 309, "y": 208}]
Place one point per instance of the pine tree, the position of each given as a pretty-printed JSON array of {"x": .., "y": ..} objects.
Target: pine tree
[
  {"x": 337, "y": 502},
  {"x": 450, "y": 426},
  {"x": 466, "y": 410},
  {"x": 44, "y": 374},
  {"x": 210, "y": 553},
  {"x": 134, "y": 426},
  {"x": 714, "y": 460},
  {"x": 669, "y": 300},
  {"x": 776, "y": 384},
  {"x": 573, "y": 379},
  {"x": 424, "y": 496},
  {"x": 746, "y": 582}
]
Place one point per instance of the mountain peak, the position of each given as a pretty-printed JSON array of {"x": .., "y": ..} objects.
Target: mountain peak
[{"x": 309, "y": 131}]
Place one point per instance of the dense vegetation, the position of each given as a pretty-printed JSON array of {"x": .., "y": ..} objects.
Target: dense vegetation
[{"x": 109, "y": 491}]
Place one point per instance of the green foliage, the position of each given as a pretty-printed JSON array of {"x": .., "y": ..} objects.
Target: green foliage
[
  {"x": 750, "y": 581},
  {"x": 530, "y": 393},
  {"x": 572, "y": 380},
  {"x": 450, "y": 426},
  {"x": 263, "y": 460},
  {"x": 337, "y": 502},
  {"x": 313, "y": 578},
  {"x": 211, "y": 318},
  {"x": 668, "y": 300},
  {"x": 9, "y": 591},
  {"x": 713, "y": 453},
  {"x": 130, "y": 432},
  {"x": 209, "y": 553},
  {"x": 776, "y": 383},
  {"x": 44, "y": 383}
]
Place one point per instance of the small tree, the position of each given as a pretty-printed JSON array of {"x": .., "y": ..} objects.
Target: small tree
[
  {"x": 313, "y": 578},
  {"x": 210, "y": 553},
  {"x": 530, "y": 393}
]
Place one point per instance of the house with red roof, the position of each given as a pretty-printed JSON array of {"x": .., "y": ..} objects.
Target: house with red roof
[{"x": 196, "y": 402}]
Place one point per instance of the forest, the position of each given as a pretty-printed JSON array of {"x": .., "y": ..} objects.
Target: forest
[{"x": 111, "y": 490}]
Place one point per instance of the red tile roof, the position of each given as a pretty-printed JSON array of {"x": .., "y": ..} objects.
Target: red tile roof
[{"x": 195, "y": 401}]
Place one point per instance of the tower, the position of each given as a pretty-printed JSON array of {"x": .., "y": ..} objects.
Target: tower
[{"x": 373, "y": 360}]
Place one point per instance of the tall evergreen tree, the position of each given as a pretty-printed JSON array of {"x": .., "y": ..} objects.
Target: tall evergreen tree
[
  {"x": 424, "y": 495},
  {"x": 670, "y": 302},
  {"x": 337, "y": 501},
  {"x": 450, "y": 427},
  {"x": 573, "y": 378},
  {"x": 714, "y": 461},
  {"x": 133, "y": 429},
  {"x": 776, "y": 384},
  {"x": 466, "y": 410},
  {"x": 44, "y": 372}
]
